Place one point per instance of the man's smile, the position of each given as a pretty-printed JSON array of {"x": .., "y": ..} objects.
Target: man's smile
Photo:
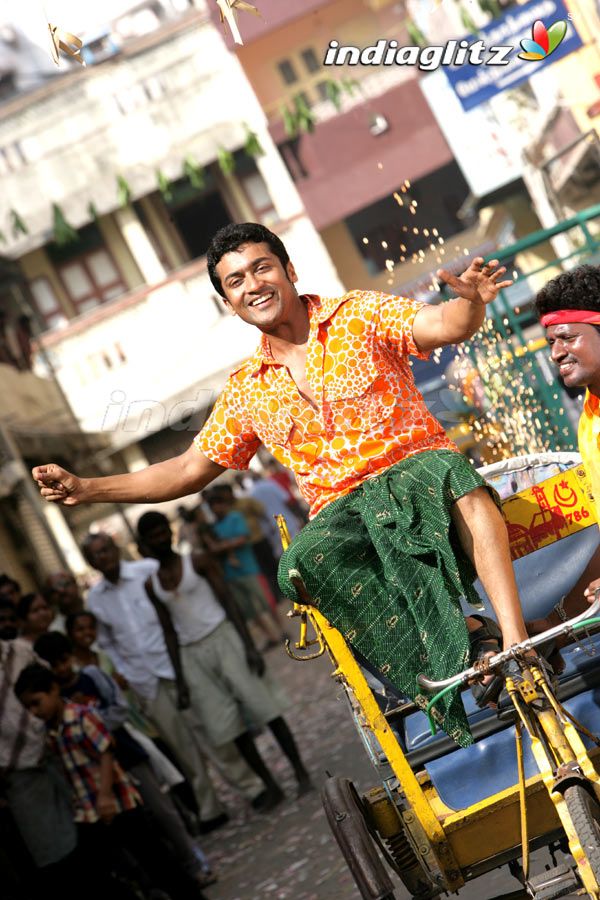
[
  {"x": 261, "y": 301},
  {"x": 565, "y": 367}
]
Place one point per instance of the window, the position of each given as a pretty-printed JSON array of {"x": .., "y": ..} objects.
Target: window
[
  {"x": 290, "y": 151},
  {"x": 87, "y": 270},
  {"x": 311, "y": 60},
  {"x": 322, "y": 90},
  {"x": 303, "y": 75},
  {"x": 47, "y": 303},
  {"x": 256, "y": 190},
  {"x": 287, "y": 71},
  {"x": 197, "y": 213},
  {"x": 92, "y": 279}
]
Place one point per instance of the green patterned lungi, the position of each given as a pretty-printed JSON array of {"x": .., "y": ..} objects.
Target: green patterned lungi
[{"x": 385, "y": 566}]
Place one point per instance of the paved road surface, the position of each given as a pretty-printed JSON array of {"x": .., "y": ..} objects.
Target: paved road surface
[{"x": 290, "y": 853}]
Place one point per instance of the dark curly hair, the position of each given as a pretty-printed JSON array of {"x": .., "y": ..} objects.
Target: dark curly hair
[
  {"x": 35, "y": 679},
  {"x": 231, "y": 237},
  {"x": 577, "y": 289}
]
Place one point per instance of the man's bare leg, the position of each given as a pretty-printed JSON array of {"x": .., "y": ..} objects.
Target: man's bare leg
[{"x": 483, "y": 535}]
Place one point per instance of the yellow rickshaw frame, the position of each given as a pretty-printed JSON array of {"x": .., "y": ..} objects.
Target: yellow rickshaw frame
[{"x": 455, "y": 844}]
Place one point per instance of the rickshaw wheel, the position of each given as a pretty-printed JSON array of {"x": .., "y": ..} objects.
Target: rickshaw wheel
[
  {"x": 584, "y": 810},
  {"x": 346, "y": 818}
]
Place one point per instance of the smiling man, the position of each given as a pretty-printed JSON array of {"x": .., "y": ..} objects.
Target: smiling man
[
  {"x": 400, "y": 519},
  {"x": 569, "y": 310}
]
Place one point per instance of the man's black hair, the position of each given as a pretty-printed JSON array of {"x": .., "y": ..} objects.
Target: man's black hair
[
  {"x": 577, "y": 289},
  {"x": 72, "y": 618},
  {"x": 90, "y": 539},
  {"x": 25, "y": 604},
  {"x": 6, "y": 580},
  {"x": 217, "y": 493},
  {"x": 35, "y": 679},
  {"x": 231, "y": 237},
  {"x": 5, "y": 603},
  {"x": 53, "y": 646},
  {"x": 149, "y": 521}
]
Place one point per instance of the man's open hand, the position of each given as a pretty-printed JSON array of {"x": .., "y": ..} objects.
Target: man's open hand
[
  {"x": 480, "y": 283},
  {"x": 57, "y": 485}
]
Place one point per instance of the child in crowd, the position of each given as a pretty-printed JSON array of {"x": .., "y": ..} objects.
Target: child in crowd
[
  {"x": 81, "y": 628},
  {"x": 35, "y": 616},
  {"x": 103, "y": 794},
  {"x": 91, "y": 687}
]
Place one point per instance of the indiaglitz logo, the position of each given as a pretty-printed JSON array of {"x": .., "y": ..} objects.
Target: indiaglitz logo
[{"x": 545, "y": 41}]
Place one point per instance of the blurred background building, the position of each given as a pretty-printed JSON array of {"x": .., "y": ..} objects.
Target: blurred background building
[{"x": 116, "y": 176}]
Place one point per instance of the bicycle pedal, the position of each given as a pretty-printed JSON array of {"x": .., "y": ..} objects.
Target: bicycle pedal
[{"x": 557, "y": 882}]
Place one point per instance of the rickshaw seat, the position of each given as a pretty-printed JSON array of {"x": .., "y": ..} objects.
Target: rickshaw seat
[
  {"x": 545, "y": 576},
  {"x": 463, "y": 776}
]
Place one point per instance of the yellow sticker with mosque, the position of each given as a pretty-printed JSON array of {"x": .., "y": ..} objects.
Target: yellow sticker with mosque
[{"x": 549, "y": 511}]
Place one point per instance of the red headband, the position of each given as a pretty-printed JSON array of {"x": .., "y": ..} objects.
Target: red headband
[{"x": 564, "y": 316}]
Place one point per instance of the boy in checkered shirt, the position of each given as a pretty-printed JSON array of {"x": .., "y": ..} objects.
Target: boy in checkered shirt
[{"x": 103, "y": 794}]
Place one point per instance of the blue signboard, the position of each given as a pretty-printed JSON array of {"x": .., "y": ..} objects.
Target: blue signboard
[{"x": 476, "y": 83}]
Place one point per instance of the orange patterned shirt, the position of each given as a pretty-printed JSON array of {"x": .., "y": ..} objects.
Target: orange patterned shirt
[{"x": 370, "y": 413}]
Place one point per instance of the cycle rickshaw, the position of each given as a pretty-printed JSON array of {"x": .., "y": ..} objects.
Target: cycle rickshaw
[{"x": 441, "y": 815}]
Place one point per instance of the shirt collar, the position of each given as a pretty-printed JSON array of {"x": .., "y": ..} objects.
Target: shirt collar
[
  {"x": 68, "y": 717},
  {"x": 320, "y": 309},
  {"x": 126, "y": 573},
  {"x": 591, "y": 405}
]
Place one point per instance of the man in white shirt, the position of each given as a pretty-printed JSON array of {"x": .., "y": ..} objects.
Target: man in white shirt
[
  {"x": 130, "y": 633},
  {"x": 206, "y": 632}
]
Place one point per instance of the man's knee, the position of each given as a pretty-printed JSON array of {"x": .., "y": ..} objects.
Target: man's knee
[{"x": 477, "y": 500}]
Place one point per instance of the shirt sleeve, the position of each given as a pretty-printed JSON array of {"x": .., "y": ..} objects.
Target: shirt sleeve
[
  {"x": 393, "y": 320},
  {"x": 104, "y": 634},
  {"x": 228, "y": 438},
  {"x": 96, "y": 736}
]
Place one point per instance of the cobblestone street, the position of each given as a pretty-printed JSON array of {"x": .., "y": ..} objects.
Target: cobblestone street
[{"x": 290, "y": 852}]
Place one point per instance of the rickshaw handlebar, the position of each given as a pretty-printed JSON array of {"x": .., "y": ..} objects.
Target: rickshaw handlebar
[{"x": 430, "y": 686}]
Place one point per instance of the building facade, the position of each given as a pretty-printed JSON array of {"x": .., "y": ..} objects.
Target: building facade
[{"x": 115, "y": 178}]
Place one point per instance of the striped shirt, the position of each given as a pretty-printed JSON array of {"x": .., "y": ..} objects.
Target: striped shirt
[
  {"x": 81, "y": 739},
  {"x": 22, "y": 737}
]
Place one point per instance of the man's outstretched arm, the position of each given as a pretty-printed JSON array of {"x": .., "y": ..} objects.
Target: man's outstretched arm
[
  {"x": 168, "y": 480},
  {"x": 457, "y": 320}
]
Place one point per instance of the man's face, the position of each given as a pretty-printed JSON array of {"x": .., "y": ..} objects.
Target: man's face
[
  {"x": 158, "y": 541},
  {"x": 8, "y": 624},
  {"x": 103, "y": 555},
  {"x": 575, "y": 350},
  {"x": 64, "y": 593},
  {"x": 257, "y": 287},
  {"x": 220, "y": 507},
  {"x": 39, "y": 618},
  {"x": 83, "y": 632},
  {"x": 42, "y": 705},
  {"x": 63, "y": 668},
  {"x": 10, "y": 592}
]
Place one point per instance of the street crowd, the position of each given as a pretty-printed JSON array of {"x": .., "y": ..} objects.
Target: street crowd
[{"x": 117, "y": 708}]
